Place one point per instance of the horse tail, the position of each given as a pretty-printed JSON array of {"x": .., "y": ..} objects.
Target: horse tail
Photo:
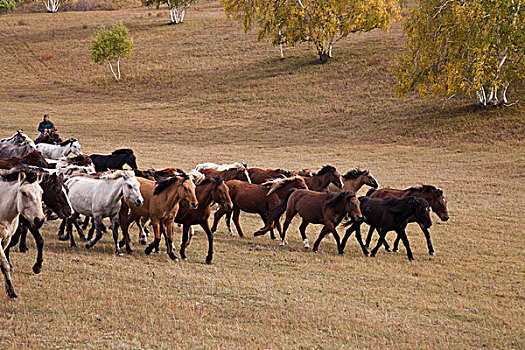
[
  {"x": 278, "y": 211},
  {"x": 370, "y": 191}
]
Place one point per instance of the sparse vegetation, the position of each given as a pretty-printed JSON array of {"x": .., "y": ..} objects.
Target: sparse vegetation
[
  {"x": 208, "y": 93},
  {"x": 110, "y": 45}
]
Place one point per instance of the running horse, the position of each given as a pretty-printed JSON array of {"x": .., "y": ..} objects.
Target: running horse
[
  {"x": 325, "y": 208},
  {"x": 326, "y": 176},
  {"x": 354, "y": 180},
  {"x": 237, "y": 173},
  {"x": 434, "y": 196},
  {"x": 259, "y": 176}
]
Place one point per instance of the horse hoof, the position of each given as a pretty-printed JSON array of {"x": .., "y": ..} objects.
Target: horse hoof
[
  {"x": 368, "y": 255},
  {"x": 208, "y": 261},
  {"x": 23, "y": 249},
  {"x": 121, "y": 243},
  {"x": 119, "y": 254},
  {"x": 37, "y": 269},
  {"x": 74, "y": 246},
  {"x": 432, "y": 254},
  {"x": 173, "y": 257},
  {"x": 147, "y": 251},
  {"x": 388, "y": 250},
  {"x": 396, "y": 250},
  {"x": 129, "y": 251}
]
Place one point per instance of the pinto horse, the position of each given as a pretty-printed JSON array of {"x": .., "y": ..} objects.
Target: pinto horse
[
  {"x": 257, "y": 199},
  {"x": 431, "y": 194},
  {"x": 34, "y": 158},
  {"x": 116, "y": 160},
  {"x": 326, "y": 208},
  {"x": 161, "y": 204},
  {"x": 391, "y": 214},
  {"x": 354, "y": 180},
  {"x": 326, "y": 176}
]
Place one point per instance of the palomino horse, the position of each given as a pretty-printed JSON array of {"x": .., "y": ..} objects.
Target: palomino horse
[
  {"x": 99, "y": 196},
  {"x": 259, "y": 176},
  {"x": 209, "y": 191},
  {"x": 55, "y": 198},
  {"x": 116, "y": 160},
  {"x": 34, "y": 158},
  {"x": 161, "y": 203},
  {"x": 326, "y": 208},
  {"x": 391, "y": 214},
  {"x": 257, "y": 199},
  {"x": 8, "y": 150},
  {"x": 60, "y": 150},
  {"x": 354, "y": 180},
  {"x": 431, "y": 194},
  {"x": 326, "y": 176},
  {"x": 20, "y": 196},
  {"x": 237, "y": 173}
]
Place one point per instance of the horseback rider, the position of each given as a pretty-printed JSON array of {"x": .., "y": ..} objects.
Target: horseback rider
[{"x": 45, "y": 126}]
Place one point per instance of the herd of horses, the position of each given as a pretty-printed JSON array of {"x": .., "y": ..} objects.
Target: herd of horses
[{"x": 54, "y": 180}]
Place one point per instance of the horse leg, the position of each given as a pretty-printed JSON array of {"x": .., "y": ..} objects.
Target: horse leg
[
  {"x": 62, "y": 228},
  {"x": 217, "y": 217},
  {"x": 114, "y": 229},
  {"x": 382, "y": 234},
  {"x": 369, "y": 237},
  {"x": 85, "y": 224},
  {"x": 169, "y": 239},
  {"x": 4, "y": 264},
  {"x": 228, "y": 221},
  {"x": 337, "y": 240},
  {"x": 39, "y": 241},
  {"x": 290, "y": 213},
  {"x": 267, "y": 227},
  {"x": 13, "y": 242},
  {"x": 142, "y": 231},
  {"x": 155, "y": 243},
  {"x": 98, "y": 236},
  {"x": 184, "y": 243},
  {"x": 23, "y": 236},
  {"x": 429, "y": 241},
  {"x": 322, "y": 234},
  {"x": 125, "y": 220},
  {"x": 302, "y": 229},
  {"x": 91, "y": 231},
  {"x": 65, "y": 229},
  {"x": 236, "y": 213},
  {"x": 359, "y": 240},
  {"x": 401, "y": 233},
  {"x": 277, "y": 224},
  {"x": 79, "y": 229},
  {"x": 206, "y": 229}
]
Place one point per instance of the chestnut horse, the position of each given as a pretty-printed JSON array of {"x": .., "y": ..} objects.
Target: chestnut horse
[
  {"x": 259, "y": 176},
  {"x": 434, "y": 196},
  {"x": 257, "y": 199},
  {"x": 238, "y": 173},
  {"x": 326, "y": 208},
  {"x": 34, "y": 158},
  {"x": 326, "y": 176},
  {"x": 391, "y": 214},
  {"x": 161, "y": 203},
  {"x": 354, "y": 180}
]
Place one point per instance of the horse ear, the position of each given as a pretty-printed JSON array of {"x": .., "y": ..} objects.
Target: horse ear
[{"x": 21, "y": 176}]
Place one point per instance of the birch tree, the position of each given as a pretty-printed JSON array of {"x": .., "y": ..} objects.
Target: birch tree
[
  {"x": 110, "y": 45},
  {"x": 52, "y": 5},
  {"x": 463, "y": 47},
  {"x": 177, "y": 8},
  {"x": 320, "y": 22}
]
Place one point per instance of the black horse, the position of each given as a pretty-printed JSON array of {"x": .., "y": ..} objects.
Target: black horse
[
  {"x": 116, "y": 160},
  {"x": 391, "y": 214},
  {"x": 55, "y": 198}
]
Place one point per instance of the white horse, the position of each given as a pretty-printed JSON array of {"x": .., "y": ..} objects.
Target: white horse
[
  {"x": 17, "y": 138},
  {"x": 8, "y": 150},
  {"x": 100, "y": 196},
  {"x": 61, "y": 150},
  {"x": 19, "y": 197},
  {"x": 221, "y": 167}
]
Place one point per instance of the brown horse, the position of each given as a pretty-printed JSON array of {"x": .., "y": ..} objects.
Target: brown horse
[
  {"x": 326, "y": 208},
  {"x": 354, "y": 180},
  {"x": 259, "y": 176},
  {"x": 238, "y": 173},
  {"x": 257, "y": 199},
  {"x": 434, "y": 196},
  {"x": 34, "y": 158},
  {"x": 326, "y": 176},
  {"x": 391, "y": 214},
  {"x": 51, "y": 137},
  {"x": 161, "y": 203},
  {"x": 305, "y": 172}
]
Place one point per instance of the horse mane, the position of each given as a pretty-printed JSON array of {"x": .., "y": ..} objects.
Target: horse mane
[
  {"x": 325, "y": 170},
  {"x": 122, "y": 151},
  {"x": 402, "y": 205},
  {"x": 333, "y": 199},
  {"x": 67, "y": 142},
  {"x": 12, "y": 174},
  {"x": 163, "y": 185},
  {"x": 426, "y": 189},
  {"x": 354, "y": 174},
  {"x": 218, "y": 181},
  {"x": 275, "y": 184}
]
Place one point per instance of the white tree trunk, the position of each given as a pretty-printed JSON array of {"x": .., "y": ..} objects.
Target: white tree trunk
[
  {"x": 113, "y": 71},
  {"x": 176, "y": 13},
  {"x": 281, "y": 45},
  {"x": 51, "y": 5},
  {"x": 118, "y": 68}
]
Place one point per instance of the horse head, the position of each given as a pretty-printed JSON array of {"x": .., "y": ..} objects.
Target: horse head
[
  {"x": 332, "y": 175},
  {"x": 55, "y": 195},
  {"x": 29, "y": 198},
  {"x": 131, "y": 187},
  {"x": 221, "y": 193},
  {"x": 353, "y": 207},
  {"x": 422, "y": 211}
]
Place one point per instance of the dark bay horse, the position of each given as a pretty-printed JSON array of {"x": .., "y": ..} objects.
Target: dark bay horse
[
  {"x": 325, "y": 208},
  {"x": 431, "y": 194},
  {"x": 257, "y": 199},
  {"x": 354, "y": 180},
  {"x": 55, "y": 198},
  {"x": 116, "y": 160},
  {"x": 326, "y": 176},
  {"x": 34, "y": 158},
  {"x": 51, "y": 137},
  {"x": 391, "y": 214},
  {"x": 259, "y": 176}
]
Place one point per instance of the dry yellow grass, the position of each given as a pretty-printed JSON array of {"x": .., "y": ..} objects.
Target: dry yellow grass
[{"x": 202, "y": 91}]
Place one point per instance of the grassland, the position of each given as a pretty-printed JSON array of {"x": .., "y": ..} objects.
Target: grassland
[{"x": 203, "y": 91}]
